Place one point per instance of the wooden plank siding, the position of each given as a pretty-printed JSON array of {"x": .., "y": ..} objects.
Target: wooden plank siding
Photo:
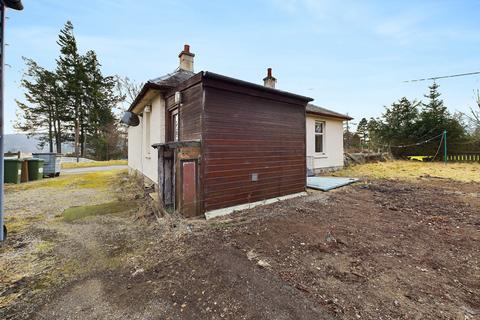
[
  {"x": 190, "y": 111},
  {"x": 247, "y": 131}
]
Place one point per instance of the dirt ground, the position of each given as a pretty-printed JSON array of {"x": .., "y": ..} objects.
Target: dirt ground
[{"x": 379, "y": 249}]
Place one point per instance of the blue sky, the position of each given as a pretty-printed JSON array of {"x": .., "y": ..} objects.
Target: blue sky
[{"x": 350, "y": 56}]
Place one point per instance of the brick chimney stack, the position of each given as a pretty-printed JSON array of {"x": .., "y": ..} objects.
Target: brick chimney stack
[
  {"x": 269, "y": 80},
  {"x": 186, "y": 59}
]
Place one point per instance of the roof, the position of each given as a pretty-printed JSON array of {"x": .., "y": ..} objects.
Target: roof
[
  {"x": 172, "y": 80},
  {"x": 14, "y": 4},
  {"x": 313, "y": 109},
  {"x": 212, "y": 75},
  {"x": 166, "y": 82}
]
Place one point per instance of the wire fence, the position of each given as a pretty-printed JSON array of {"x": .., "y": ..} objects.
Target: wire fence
[{"x": 432, "y": 149}]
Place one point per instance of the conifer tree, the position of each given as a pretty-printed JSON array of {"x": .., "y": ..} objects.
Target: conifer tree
[
  {"x": 435, "y": 118},
  {"x": 100, "y": 98},
  {"x": 40, "y": 114},
  {"x": 75, "y": 102},
  {"x": 70, "y": 74},
  {"x": 362, "y": 131}
]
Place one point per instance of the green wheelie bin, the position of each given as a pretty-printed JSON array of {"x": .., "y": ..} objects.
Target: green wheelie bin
[
  {"x": 12, "y": 170},
  {"x": 35, "y": 169}
]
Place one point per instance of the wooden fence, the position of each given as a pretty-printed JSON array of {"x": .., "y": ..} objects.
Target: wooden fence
[{"x": 464, "y": 157}]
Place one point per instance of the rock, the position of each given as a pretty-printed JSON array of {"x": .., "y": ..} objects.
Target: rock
[
  {"x": 330, "y": 238},
  {"x": 263, "y": 264},
  {"x": 137, "y": 272},
  {"x": 251, "y": 255}
]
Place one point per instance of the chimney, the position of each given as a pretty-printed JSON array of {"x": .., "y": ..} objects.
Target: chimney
[
  {"x": 186, "y": 59},
  {"x": 269, "y": 80}
]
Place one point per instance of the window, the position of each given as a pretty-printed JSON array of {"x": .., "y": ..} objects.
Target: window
[
  {"x": 319, "y": 136},
  {"x": 146, "y": 124},
  {"x": 174, "y": 126}
]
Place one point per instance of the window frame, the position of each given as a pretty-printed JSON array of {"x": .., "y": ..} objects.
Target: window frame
[
  {"x": 175, "y": 125},
  {"x": 147, "y": 128},
  {"x": 319, "y": 134}
]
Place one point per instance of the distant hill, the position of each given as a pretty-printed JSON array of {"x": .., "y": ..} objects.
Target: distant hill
[{"x": 20, "y": 142}]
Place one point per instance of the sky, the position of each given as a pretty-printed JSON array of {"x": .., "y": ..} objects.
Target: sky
[{"x": 350, "y": 56}]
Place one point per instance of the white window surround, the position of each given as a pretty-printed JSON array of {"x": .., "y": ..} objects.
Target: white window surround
[
  {"x": 320, "y": 130},
  {"x": 147, "y": 134}
]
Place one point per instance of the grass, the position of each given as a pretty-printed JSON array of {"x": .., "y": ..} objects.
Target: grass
[
  {"x": 16, "y": 224},
  {"x": 411, "y": 170},
  {"x": 71, "y": 165},
  {"x": 75, "y": 213},
  {"x": 95, "y": 180}
]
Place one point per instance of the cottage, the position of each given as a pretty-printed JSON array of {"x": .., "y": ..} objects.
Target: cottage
[
  {"x": 213, "y": 144},
  {"x": 324, "y": 139}
]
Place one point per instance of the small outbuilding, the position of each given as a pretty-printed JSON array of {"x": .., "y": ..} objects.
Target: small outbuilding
[{"x": 212, "y": 144}]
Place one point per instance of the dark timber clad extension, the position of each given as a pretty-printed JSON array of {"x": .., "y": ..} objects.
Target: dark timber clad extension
[
  {"x": 249, "y": 131},
  {"x": 251, "y": 144}
]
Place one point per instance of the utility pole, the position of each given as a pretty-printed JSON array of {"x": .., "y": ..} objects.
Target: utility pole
[{"x": 16, "y": 5}]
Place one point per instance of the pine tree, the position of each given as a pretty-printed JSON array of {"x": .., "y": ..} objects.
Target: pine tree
[
  {"x": 100, "y": 99},
  {"x": 434, "y": 114},
  {"x": 70, "y": 74},
  {"x": 374, "y": 134},
  {"x": 399, "y": 124},
  {"x": 362, "y": 131},
  {"x": 75, "y": 102},
  {"x": 435, "y": 118},
  {"x": 39, "y": 115}
]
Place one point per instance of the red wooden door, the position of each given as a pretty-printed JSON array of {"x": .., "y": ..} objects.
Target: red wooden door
[{"x": 189, "y": 188}]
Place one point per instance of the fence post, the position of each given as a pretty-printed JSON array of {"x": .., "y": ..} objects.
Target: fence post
[{"x": 445, "y": 145}]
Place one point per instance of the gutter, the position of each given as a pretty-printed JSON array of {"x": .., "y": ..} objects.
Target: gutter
[
  {"x": 340, "y": 117},
  {"x": 147, "y": 86}
]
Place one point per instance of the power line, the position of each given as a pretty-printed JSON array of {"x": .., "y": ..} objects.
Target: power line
[
  {"x": 443, "y": 77},
  {"x": 415, "y": 144}
]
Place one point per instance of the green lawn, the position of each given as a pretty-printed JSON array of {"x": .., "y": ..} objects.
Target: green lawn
[
  {"x": 71, "y": 165},
  {"x": 101, "y": 179}
]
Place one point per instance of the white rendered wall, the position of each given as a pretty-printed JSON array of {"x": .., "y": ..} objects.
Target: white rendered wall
[
  {"x": 141, "y": 157},
  {"x": 332, "y": 157}
]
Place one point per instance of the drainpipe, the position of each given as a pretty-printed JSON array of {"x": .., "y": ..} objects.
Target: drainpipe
[{"x": 16, "y": 5}]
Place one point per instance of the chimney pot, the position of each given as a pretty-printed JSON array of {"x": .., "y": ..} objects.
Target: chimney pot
[
  {"x": 186, "y": 48},
  {"x": 269, "y": 80}
]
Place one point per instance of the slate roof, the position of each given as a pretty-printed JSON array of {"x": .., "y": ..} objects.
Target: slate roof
[
  {"x": 166, "y": 82},
  {"x": 313, "y": 109},
  {"x": 173, "y": 79}
]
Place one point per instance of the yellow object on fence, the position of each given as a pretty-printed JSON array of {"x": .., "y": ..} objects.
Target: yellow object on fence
[{"x": 420, "y": 158}]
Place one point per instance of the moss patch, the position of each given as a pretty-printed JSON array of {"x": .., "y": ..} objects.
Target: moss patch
[
  {"x": 75, "y": 213},
  {"x": 16, "y": 224}
]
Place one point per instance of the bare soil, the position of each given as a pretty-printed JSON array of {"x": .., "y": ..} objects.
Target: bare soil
[{"x": 379, "y": 249}]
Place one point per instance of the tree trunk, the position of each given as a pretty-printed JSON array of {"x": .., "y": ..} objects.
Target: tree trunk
[
  {"x": 50, "y": 133},
  {"x": 58, "y": 138},
  {"x": 82, "y": 141},
  {"x": 77, "y": 153}
]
